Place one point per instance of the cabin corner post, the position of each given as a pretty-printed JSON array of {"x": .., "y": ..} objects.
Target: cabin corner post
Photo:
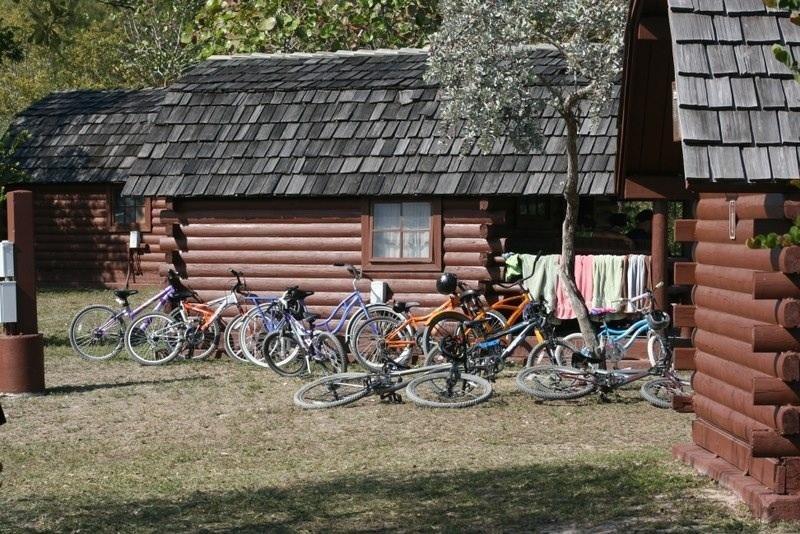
[
  {"x": 22, "y": 349},
  {"x": 658, "y": 253}
]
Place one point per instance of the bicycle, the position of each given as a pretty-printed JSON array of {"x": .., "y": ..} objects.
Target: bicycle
[
  {"x": 293, "y": 349},
  {"x": 155, "y": 338},
  {"x": 582, "y": 376},
  {"x": 347, "y": 315},
  {"x": 382, "y": 338},
  {"x": 97, "y": 332},
  {"x": 615, "y": 342},
  {"x": 488, "y": 351}
]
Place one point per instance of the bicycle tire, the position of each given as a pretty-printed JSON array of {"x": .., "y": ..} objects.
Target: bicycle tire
[
  {"x": 650, "y": 391},
  {"x": 555, "y": 352},
  {"x": 165, "y": 342},
  {"x": 357, "y": 383},
  {"x": 335, "y": 359},
  {"x": 553, "y": 382},
  {"x": 255, "y": 329},
  {"x": 370, "y": 346},
  {"x": 434, "y": 331},
  {"x": 655, "y": 348},
  {"x": 441, "y": 396},
  {"x": 118, "y": 338},
  {"x": 373, "y": 310},
  {"x": 231, "y": 336},
  {"x": 206, "y": 345},
  {"x": 280, "y": 349}
]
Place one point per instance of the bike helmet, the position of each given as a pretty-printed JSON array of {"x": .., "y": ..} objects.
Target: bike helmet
[
  {"x": 657, "y": 320},
  {"x": 447, "y": 284}
]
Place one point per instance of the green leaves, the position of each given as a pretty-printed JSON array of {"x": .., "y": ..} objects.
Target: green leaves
[{"x": 10, "y": 170}]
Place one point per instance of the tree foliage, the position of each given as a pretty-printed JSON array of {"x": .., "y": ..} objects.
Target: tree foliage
[
  {"x": 10, "y": 170},
  {"x": 780, "y": 52},
  {"x": 482, "y": 57},
  {"x": 229, "y": 26}
]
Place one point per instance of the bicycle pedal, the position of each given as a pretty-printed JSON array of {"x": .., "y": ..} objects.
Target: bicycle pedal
[{"x": 393, "y": 398}]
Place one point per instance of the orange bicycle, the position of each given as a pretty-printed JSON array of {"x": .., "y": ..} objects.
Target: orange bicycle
[{"x": 383, "y": 339}]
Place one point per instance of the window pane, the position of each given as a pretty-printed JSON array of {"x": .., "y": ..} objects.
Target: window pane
[
  {"x": 387, "y": 216},
  {"x": 386, "y": 244},
  {"x": 416, "y": 244},
  {"x": 416, "y": 216}
]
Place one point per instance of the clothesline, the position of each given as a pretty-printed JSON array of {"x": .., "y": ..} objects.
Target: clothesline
[{"x": 603, "y": 280}]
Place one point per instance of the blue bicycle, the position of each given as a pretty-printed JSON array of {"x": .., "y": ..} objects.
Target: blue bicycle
[
  {"x": 615, "y": 342},
  {"x": 270, "y": 317}
]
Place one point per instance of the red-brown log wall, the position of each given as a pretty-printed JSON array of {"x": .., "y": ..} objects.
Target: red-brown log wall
[
  {"x": 282, "y": 242},
  {"x": 745, "y": 320},
  {"x": 76, "y": 245}
]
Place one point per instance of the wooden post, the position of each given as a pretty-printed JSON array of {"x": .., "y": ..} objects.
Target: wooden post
[{"x": 658, "y": 252}]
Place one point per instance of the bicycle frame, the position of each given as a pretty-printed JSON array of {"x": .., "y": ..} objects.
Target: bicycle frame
[
  {"x": 630, "y": 334},
  {"x": 211, "y": 311},
  {"x": 515, "y": 306},
  {"x": 414, "y": 321},
  {"x": 350, "y": 301},
  {"x": 162, "y": 297}
]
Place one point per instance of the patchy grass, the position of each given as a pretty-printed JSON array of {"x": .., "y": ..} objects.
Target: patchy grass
[{"x": 217, "y": 446}]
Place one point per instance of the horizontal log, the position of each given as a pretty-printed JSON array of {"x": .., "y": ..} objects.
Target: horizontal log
[
  {"x": 235, "y": 244},
  {"x": 773, "y": 338},
  {"x": 341, "y": 285},
  {"x": 726, "y": 324},
  {"x": 272, "y": 230},
  {"x": 470, "y": 259},
  {"x": 270, "y": 204},
  {"x": 773, "y": 391},
  {"x": 683, "y": 273},
  {"x": 768, "y": 444},
  {"x": 718, "y": 231},
  {"x": 465, "y": 230},
  {"x": 251, "y": 216},
  {"x": 728, "y": 371},
  {"x": 753, "y": 206},
  {"x": 786, "y": 260},
  {"x": 466, "y": 216},
  {"x": 683, "y": 315},
  {"x": 768, "y": 471},
  {"x": 712, "y": 379},
  {"x": 464, "y": 244},
  {"x": 69, "y": 222},
  {"x": 269, "y": 257},
  {"x": 785, "y": 312},
  {"x": 316, "y": 271},
  {"x": 683, "y": 359},
  {"x": 332, "y": 299},
  {"x": 684, "y": 230},
  {"x": 779, "y": 365},
  {"x": 766, "y": 285}
]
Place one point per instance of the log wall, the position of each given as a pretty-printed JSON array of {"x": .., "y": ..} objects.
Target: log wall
[
  {"x": 282, "y": 242},
  {"x": 76, "y": 245},
  {"x": 745, "y": 318}
]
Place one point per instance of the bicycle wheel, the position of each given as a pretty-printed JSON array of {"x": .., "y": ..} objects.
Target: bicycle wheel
[
  {"x": 232, "y": 336},
  {"x": 331, "y": 391},
  {"x": 373, "y": 310},
  {"x": 441, "y": 390},
  {"x": 552, "y": 382},
  {"x": 328, "y": 354},
  {"x": 200, "y": 342},
  {"x": 284, "y": 354},
  {"x": 257, "y": 323},
  {"x": 96, "y": 333},
  {"x": 382, "y": 339},
  {"x": 442, "y": 325},
  {"x": 660, "y": 392},
  {"x": 555, "y": 352},
  {"x": 154, "y": 338}
]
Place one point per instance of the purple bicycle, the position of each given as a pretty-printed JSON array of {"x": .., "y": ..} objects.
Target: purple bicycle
[{"x": 97, "y": 332}]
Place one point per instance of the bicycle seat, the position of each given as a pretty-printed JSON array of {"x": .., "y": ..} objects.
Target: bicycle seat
[
  {"x": 470, "y": 294},
  {"x": 123, "y": 294},
  {"x": 297, "y": 293},
  {"x": 401, "y": 307}
]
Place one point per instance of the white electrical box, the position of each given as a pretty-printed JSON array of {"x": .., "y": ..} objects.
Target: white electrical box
[
  {"x": 135, "y": 240},
  {"x": 6, "y": 259},
  {"x": 378, "y": 292},
  {"x": 8, "y": 302}
]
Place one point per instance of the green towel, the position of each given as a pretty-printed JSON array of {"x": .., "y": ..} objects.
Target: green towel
[
  {"x": 544, "y": 279},
  {"x": 513, "y": 267},
  {"x": 607, "y": 281}
]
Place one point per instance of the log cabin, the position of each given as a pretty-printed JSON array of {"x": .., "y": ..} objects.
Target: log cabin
[
  {"x": 708, "y": 114},
  {"x": 281, "y": 165},
  {"x": 78, "y": 150}
]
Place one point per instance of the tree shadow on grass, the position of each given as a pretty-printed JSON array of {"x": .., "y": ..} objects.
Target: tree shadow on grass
[
  {"x": 622, "y": 495},
  {"x": 83, "y": 388}
]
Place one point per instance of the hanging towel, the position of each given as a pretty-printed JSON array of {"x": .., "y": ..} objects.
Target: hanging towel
[
  {"x": 513, "y": 266},
  {"x": 543, "y": 281},
  {"x": 636, "y": 280},
  {"x": 607, "y": 275},
  {"x": 584, "y": 274}
]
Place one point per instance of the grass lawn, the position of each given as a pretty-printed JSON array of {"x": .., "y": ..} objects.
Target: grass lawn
[{"x": 217, "y": 446}]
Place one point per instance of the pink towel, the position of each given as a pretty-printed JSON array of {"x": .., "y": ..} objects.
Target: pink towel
[{"x": 583, "y": 278}]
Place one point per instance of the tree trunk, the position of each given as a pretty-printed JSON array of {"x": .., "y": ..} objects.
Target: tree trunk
[{"x": 567, "y": 266}]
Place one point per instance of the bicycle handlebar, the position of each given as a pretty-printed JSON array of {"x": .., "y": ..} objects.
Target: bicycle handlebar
[{"x": 521, "y": 280}]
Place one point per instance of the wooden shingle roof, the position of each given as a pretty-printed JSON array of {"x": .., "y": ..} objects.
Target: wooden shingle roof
[
  {"x": 739, "y": 108},
  {"x": 353, "y": 123},
  {"x": 85, "y": 136}
]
